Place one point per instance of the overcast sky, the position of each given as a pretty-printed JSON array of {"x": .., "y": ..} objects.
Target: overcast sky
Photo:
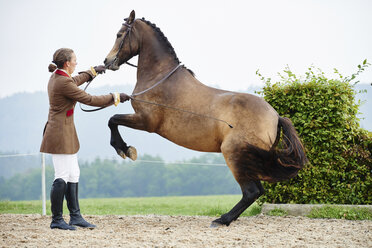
[{"x": 223, "y": 42}]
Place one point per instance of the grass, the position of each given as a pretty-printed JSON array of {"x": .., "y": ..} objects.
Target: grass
[
  {"x": 179, "y": 205},
  {"x": 329, "y": 212},
  {"x": 277, "y": 212},
  {"x": 213, "y": 206}
]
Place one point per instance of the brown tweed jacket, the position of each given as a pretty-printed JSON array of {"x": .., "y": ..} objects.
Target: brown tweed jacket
[{"x": 59, "y": 133}]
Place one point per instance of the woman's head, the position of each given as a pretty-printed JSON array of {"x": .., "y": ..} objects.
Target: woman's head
[{"x": 63, "y": 58}]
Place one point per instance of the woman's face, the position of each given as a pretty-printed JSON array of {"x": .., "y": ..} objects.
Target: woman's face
[{"x": 70, "y": 65}]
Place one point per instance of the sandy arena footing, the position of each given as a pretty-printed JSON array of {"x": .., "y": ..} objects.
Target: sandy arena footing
[{"x": 185, "y": 231}]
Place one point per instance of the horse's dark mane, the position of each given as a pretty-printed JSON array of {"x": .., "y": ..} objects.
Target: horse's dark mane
[
  {"x": 162, "y": 38},
  {"x": 160, "y": 35}
]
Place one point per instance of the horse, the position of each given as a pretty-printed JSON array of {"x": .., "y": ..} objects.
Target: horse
[{"x": 170, "y": 101}]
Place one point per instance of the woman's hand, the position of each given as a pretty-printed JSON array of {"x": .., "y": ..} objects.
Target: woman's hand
[
  {"x": 100, "y": 69},
  {"x": 124, "y": 97}
]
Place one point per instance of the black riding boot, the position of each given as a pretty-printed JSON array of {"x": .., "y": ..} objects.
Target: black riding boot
[
  {"x": 57, "y": 193},
  {"x": 73, "y": 205}
]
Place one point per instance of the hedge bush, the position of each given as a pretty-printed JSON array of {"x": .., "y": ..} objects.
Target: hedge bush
[{"x": 324, "y": 112}]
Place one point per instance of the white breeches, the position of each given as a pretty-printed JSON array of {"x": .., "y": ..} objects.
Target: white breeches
[{"x": 66, "y": 166}]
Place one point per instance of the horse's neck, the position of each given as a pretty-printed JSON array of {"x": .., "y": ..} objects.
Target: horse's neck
[
  {"x": 155, "y": 60},
  {"x": 153, "y": 65}
]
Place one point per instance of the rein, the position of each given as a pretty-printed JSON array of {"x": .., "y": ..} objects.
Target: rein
[
  {"x": 133, "y": 95},
  {"x": 90, "y": 110},
  {"x": 157, "y": 83}
]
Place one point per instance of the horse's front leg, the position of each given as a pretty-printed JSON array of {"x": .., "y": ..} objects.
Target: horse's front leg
[{"x": 128, "y": 120}]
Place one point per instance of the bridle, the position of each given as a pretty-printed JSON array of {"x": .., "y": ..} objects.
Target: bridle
[
  {"x": 128, "y": 33},
  {"x": 135, "y": 94}
]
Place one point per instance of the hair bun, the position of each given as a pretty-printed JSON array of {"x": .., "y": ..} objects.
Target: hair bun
[{"x": 52, "y": 67}]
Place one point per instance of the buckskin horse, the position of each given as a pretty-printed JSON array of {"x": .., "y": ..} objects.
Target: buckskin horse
[{"x": 171, "y": 102}]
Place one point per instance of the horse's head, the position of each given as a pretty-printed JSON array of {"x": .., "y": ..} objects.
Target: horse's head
[{"x": 125, "y": 47}]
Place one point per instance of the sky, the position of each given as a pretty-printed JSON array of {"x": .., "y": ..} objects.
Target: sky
[{"x": 223, "y": 42}]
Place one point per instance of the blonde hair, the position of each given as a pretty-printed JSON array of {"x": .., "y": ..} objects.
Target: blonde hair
[{"x": 60, "y": 56}]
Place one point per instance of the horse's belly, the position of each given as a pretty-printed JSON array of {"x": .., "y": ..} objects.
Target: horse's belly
[{"x": 191, "y": 139}]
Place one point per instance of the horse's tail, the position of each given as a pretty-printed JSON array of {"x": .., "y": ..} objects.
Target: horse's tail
[{"x": 283, "y": 161}]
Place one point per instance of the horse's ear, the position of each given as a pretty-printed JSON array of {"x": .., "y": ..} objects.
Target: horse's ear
[{"x": 131, "y": 17}]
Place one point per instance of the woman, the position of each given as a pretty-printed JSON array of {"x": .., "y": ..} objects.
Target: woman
[{"x": 60, "y": 138}]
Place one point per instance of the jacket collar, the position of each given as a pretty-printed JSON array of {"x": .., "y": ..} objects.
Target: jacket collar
[{"x": 62, "y": 73}]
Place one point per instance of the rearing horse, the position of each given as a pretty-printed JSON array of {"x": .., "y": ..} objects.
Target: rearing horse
[{"x": 171, "y": 102}]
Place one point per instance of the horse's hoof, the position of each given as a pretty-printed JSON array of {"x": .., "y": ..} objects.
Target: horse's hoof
[
  {"x": 132, "y": 153},
  {"x": 121, "y": 153},
  {"x": 216, "y": 224}
]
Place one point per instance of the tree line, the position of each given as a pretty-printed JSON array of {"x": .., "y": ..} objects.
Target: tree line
[{"x": 104, "y": 178}]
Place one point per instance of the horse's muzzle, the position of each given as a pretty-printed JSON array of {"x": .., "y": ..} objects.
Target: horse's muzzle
[{"x": 111, "y": 64}]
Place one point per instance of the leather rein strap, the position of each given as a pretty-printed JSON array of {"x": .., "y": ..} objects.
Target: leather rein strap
[
  {"x": 133, "y": 95},
  {"x": 91, "y": 110}
]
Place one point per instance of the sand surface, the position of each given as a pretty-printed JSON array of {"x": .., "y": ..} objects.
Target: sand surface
[{"x": 185, "y": 231}]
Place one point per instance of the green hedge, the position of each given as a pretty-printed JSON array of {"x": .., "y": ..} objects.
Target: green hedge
[{"x": 324, "y": 113}]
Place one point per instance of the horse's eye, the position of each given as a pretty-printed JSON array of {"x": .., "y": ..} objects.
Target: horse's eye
[{"x": 118, "y": 36}]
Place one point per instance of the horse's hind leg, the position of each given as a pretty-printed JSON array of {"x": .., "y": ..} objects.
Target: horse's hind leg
[
  {"x": 251, "y": 191},
  {"x": 129, "y": 120}
]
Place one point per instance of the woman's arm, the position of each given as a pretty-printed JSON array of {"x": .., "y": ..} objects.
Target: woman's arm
[
  {"x": 70, "y": 90},
  {"x": 84, "y": 76}
]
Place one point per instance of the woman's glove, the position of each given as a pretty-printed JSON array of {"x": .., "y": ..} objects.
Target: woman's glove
[
  {"x": 100, "y": 69},
  {"x": 124, "y": 97}
]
